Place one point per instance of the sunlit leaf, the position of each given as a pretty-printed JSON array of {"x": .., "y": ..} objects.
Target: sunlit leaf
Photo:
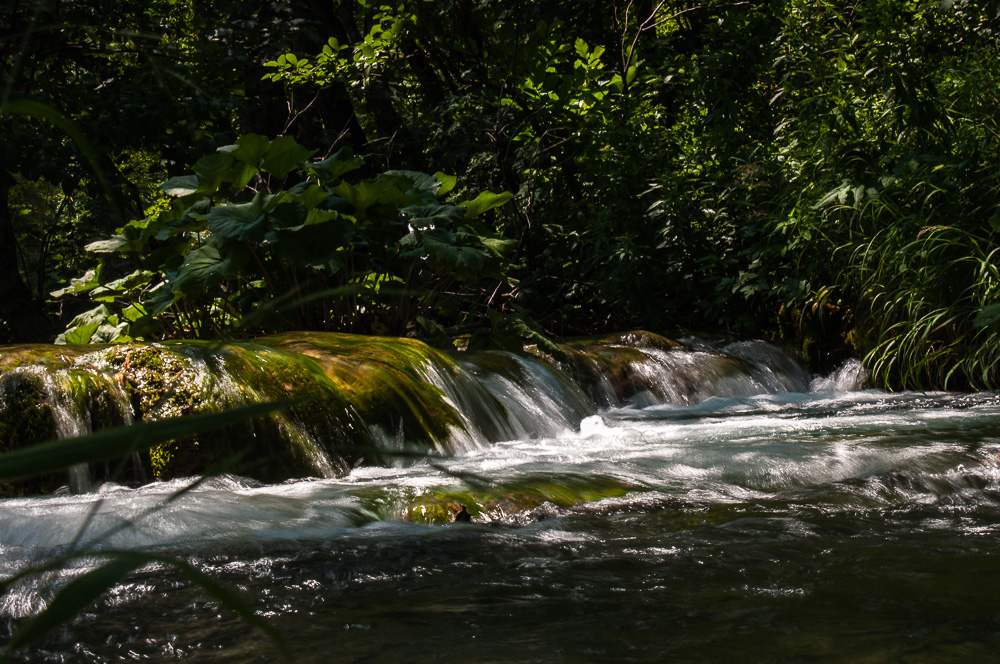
[
  {"x": 487, "y": 200},
  {"x": 182, "y": 185},
  {"x": 283, "y": 156},
  {"x": 448, "y": 182},
  {"x": 90, "y": 280}
]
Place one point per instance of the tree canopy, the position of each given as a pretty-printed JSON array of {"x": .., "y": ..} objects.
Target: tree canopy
[{"x": 818, "y": 172}]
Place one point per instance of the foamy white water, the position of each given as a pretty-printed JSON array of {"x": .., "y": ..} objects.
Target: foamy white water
[{"x": 752, "y": 521}]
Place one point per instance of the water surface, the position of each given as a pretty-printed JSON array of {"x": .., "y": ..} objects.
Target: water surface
[{"x": 823, "y": 526}]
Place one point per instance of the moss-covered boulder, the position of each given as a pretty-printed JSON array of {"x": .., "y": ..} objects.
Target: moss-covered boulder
[
  {"x": 352, "y": 399},
  {"x": 358, "y": 399},
  {"x": 620, "y": 368}
]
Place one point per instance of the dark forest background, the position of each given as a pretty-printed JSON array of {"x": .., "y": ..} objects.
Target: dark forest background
[{"x": 823, "y": 174}]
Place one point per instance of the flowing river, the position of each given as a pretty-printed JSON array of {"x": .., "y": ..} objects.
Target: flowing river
[{"x": 828, "y": 525}]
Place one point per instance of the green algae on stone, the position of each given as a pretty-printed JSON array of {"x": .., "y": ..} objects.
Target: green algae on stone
[
  {"x": 360, "y": 394},
  {"x": 386, "y": 381},
  {"x": 44, "y": 355},
  {"x": 173, "y": 380},
  {"x": 25, "y": 417},
  {"x": 509, "y": 499}
]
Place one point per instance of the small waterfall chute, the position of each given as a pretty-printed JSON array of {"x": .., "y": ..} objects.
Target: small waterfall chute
[{"x": 367, "y": 399}]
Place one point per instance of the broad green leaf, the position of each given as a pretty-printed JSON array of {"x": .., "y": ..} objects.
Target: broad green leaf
[
  {"x": 133, "y": 313},
  {"x": 498, "y": 246},
  {"x": 335, "y": 166},
  {"x": 988, "y": 317},
  {"x": 238, "y": 221},
  {"x": 487, "y": 200},
  {"x": 130, "y": 239},
  {"x": 448, "y": 182},
  {"x": 182, "y": 185},
  {"x": 367, "y": 193},
  {"x": 80, "y": 335},
  {"x": 630, "y": 74},
  {"x": 314, "y": 243},
  {"x": 193, "y": 218},
  {"x": 96, "y": 315},
  {"x": 211, "y": 171},
  {"x": 283, "y": 156},
  {"x": 89, "y": 281},
  {"x": 206, "y": 266},
  {"x": 249, "y": 149},
  {"x": 161, "y": 298},
  {"x": 126, "y": 283},
  {"x": 289, "y": 214},
  {"x": 421, "y": 185},
  {"x": 82, "y": 328},
  {"x": 242, "y": 174},
  {"x": 994, "y": 221},
  {"x": 462, "y": 262},
  {"x": 248, "y": 152},
  {"x": 111, "y": 333},
  {"x": 312, "y": 196},
  {"x": 434, "y": 216}
]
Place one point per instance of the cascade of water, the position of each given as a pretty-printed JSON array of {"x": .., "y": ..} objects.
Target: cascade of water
[
  {"x": 388, "y": 395},
  {"x": 772, "y": 370},
  {"x": 684, "y": 377},
  {"x": 538, "y": 400},
  {"x": 850, "y": 377},
  {"x": 216, "y": 379},
  {"x": 69, "y": 417},
  {"x": 483, "y": 417}
]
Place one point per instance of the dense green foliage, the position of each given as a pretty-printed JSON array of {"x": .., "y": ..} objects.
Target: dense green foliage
[
  {"x": 823, "y": 172},
  {"x": 232, "y": 240}
]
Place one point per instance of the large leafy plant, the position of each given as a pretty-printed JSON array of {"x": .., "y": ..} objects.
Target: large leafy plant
[{"x": 259, "y": 224}]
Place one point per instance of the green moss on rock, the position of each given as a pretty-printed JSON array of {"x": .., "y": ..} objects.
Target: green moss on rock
[
  {"x": 511, "y": 499},
  {"x": 25, "y": 417},
  {"x": 384, "y": 380}
]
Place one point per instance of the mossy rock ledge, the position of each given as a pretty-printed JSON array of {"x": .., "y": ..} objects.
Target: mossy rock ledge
[{"x": 359, "y": 399}]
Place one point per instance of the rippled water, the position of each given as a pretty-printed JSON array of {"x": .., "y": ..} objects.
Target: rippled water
[{"x": 828, "y": 526}]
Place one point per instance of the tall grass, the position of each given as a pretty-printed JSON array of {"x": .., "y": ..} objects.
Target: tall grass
[
  {"x": 111, "y": 566},
  {"x": 889, "y": 137}
]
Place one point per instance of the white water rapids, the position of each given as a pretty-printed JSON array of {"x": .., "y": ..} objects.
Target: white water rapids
[{"x": 752, "y": 525}]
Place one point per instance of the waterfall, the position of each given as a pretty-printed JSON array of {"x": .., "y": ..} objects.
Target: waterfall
[
  {"x": 368, "y": 399},
  {"x": 850, "y": 377},
  {"x": 64, "y": 398},
  {"x": 538, "y": 400}
]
